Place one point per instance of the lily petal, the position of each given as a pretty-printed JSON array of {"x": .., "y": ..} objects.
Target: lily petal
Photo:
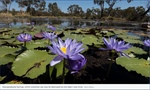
[
  {"x": 76, "y": 57},
  {"x": 56, "y": 60}
]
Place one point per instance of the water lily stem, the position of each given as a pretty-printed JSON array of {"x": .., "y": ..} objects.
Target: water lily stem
[
  {"x": 48, "y": 42},
  {"x": 149, "y": 54},
  {"x": 25, "y": 44},
  {"x": 109, "y": 69},
  {"x": 63, "y": 73}
]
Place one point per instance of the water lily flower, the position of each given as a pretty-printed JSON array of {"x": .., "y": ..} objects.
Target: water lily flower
[
  {"x": 24, "y": 37},
  {"x": 118, "y": 46},
  {"x": 69, "y": 50},
  {"x": 147, "y": 43},
  {"x": 50, "y": 36},
  {"x": 30, "y": 23},
  {"x": 51, "y": 27},
  {"x": 75, "y": 65}
]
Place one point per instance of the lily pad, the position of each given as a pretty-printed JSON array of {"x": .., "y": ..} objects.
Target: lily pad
[
  {"x": 135, "y": 50},
  {"x": 57, "y": 70},
  {"x": 2, "y": 78},
  {"x": 31, "y": 63},
  {"x": 14, "y": 82},
  {"x": 7, "y": 59},
  {"x": 90, "y": 39},
  {"x": 7, "y": 50},
  {"x": 32, "y": 45},
  {"x": 141, "y": 66},
  {"x": 133, "y": 41}
]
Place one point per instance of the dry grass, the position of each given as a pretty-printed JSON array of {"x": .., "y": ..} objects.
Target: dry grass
[
  {"x": 22, "y": 15},
  {"x": 6, "y": 15}
]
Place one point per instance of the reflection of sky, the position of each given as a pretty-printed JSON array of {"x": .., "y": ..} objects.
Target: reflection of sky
[{"x": 64, "y": 4}]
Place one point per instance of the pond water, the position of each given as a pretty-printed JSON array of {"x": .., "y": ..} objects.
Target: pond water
[{"x": 77, "y": 23}]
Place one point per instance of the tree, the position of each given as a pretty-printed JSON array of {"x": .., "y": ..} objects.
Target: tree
[
  {"x": 101, "y": 3},
  {"x": 53, "y": 9},
  {"x": 111, "y": 3},
  {"x": 37, "y": 4},
  {"x": 75, "y": 10},
  {"x": 7, "y": 4},
  {"x": 88, "y": 13}
]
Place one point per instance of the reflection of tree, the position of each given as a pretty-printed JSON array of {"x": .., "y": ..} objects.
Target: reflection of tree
[
  {"x": 88, "y": 23},
  {"x": 56, "y": 21},
  {"x": 14, "y": 21}
]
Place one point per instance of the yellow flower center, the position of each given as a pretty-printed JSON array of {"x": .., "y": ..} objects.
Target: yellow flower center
[{"x": 63, "y": 49}]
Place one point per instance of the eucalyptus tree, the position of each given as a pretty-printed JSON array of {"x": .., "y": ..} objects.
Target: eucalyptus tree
[
  {"x": 101, "y": 4},
  {"x": 88, "y": 13},
  {"x": 37, "y": 4},
  {"x": 111, "y": 3},
  {"x": 148, "y": 9},
  {"x": 53, "y": 9},
  {"x": 6, "y": 4},
  {"x": 75, "y": 10}
]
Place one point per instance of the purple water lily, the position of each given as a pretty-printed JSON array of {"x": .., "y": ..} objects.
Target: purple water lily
[
  {"x": 147, "y": 42},
  {"x": 51, "y": 27},
  {"x": 50, "y": 36},
  {"x": 24, "y": 37},
  {"x": 118, "y": 46},
  {"x": 75, "y": 65},
  {"x": 70, "y": 50},
  {"x": 30, "y": 23}
]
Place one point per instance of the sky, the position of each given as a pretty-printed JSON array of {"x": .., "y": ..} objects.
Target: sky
[{"x": 64, "y": 4}]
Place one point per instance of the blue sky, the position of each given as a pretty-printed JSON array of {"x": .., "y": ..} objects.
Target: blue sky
[{"x": 64, "y": 4}]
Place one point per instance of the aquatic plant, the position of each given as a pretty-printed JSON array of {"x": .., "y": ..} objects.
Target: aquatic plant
[
  {"x": 69, "y": 50},
  {"x": 118, "y": 46},
  {"x": 50, "y": 36},
  {"x": 51, "y": 27},
  {"x": 147, "y": 42}
]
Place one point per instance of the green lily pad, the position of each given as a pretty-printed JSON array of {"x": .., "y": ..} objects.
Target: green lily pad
[
  {"x": 133, "y": 41},
  {"x": 14, "y": 82},
  {"x": 89, "y": 39},
  {"x": 7, "y": 59},
  {"x": 32, "y": 45},
  {"x": 2, "y": 78},
  {"x": 135, "y": 50},
  {"x": 141, "y": 66},
  {"x": 31, "y": 63},
  {"x": 57, "y": 70},
  {"x": 125, "y": 36},
  {"x": 7, "y": 50}
]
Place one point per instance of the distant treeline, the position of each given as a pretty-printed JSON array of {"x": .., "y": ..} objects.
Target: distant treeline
[{"x": 38, "y": 8}]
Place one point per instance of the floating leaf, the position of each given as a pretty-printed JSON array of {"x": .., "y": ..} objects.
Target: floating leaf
[
  {"x": 14, "y": 82},
  {"x": 118, "y": 32},
  {"x": 57, "y": 70},
  {"x": 32, "y": 45},
  {"x": 135, "y": 50},
  {"x": 31, "y": 63},
  {"x": 125, "y": 36},
  {"x": 141, "y": 66},
  {"x": 7, "y": 50},
  {"x": 89, "y": 39},
  {"x": 133, "y": 41},
  {"x": 2, "y": 78},
  {"x": 7, "y": 59}
]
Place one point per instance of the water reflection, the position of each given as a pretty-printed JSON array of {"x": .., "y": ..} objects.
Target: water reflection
[{"x": 77, "y": 23}]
